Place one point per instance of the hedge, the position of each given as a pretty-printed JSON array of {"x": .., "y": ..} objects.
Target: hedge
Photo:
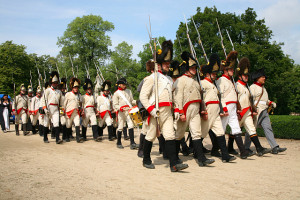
[{"x": 284, "y": 126}]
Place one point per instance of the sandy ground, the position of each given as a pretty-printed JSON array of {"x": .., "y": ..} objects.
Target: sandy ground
[{"x": 30, "y": 169}]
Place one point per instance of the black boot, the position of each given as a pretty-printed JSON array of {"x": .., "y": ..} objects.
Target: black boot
[
  {"x": 57, "y": 132},
  {"x": 147, "y": 151},
  {"x": 110, "y": 130},
  {"x": 79, "y": 138},
  {"x": 170, "y": 148},
  {"x": 202, "y": 160},
  {"x": 114, "y": 133},
  {"x": 46, "y": 131},
  {"x": 133, "y": 145},
  {"x": 125, "y": 133},
  {"x": 230, "y": 145},
  {"x": 41, "y": 130},
  {"x": 71, "y": 134},
  {"x": 205, "y": 150},
  {"x": 222, "y": 144},
  {"x": 64, "y": 132},
  {"x": 83, "y": 133},
  {"x": 140, "y": 152},
  {"x": 177, "y": 143},
  {"x": 260, "y": 150},
  {"x": 215, "y": 147},
  {"x": 68, "y": 133},
  {"x": 239, "y": 141},
  {"x": 24, "y": 129},
  {"x": 184, "y": 148},
  {"x": 33, "y": 130},
  {"x": 17, "y": 129},
  {"x": 100, "y": 132},
  {"x": 162, "y": 143},
  {"x": 52, "y": 133},
  {"x": 95, "y": 133},
  {"x": 191, "y": 147},
  {"x": 119, "y": 144}
]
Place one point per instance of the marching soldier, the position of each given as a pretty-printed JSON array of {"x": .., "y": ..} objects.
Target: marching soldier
[
  {"x": 63, "y": 88},
  {"x": 35, "y": 105},
  {"x": 51, "y": 103},
  {"x": 122, "y": 102},
  {"x": 44, "y": 130},
  {"x": 244, "y": 99},
  {"x": 72, "y": 107},
  {"x": 20, "y": 109},
  {"x": 104, "y": 109},
  {"x": 187, "y": 99},
  {"x": 147, "y": 97},
  {"x": 262, "y": 102},
  {"x": 88, "y": 111},
  {"x": 229, "y": 102},
  {"x": 213, "y": 123}
]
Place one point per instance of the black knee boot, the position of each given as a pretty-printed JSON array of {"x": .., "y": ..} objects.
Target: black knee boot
[
  {"x": 79, "y": 138},
  {"x": 83, "y": 133},
  {"x": 185, "y": 150},
  {"x": 170, "y": 148},
  {"x": 52, "y": 133},
  {"x": 260, "y": 150},
  {"x": 119, "y": 143},
  {"x": 100, "y": 131},
  {"x": 57, "y": 133},
  {"x": 95, "y": 133},
  {"x": 41, "y": 130},
  {"x": 46, "y": 131},
  {"x": 198, "y": 148},
  {"x": 215, "y": 147},
  {"x": 17, "y": 129},
  {"x": 162, "y": 143},
  {"x": 114, "y": 133},
  {"x": 140, "y": 152},
  {"x": 33, "y": 130},
  {"x": 68, "y": 133},
  {"x": 125, "y": 133},
  {"x": 147, "y": 162},
  {"x": 230, "y": 145},
  {"x": 205, "y": 150},
  {"x": 177, "y": 143},
  {"x": 222, "y": 144},
  {"x": 64, "y": 132},
  {"x": 24, "y": 129},
  {"x": 110, "y": 130},
  {"x": 239, "y": 141},
  {"x": 133, "y": 145}
]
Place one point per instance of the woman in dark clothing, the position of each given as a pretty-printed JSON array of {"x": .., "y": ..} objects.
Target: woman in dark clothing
[{"x": 5, "y": 110}]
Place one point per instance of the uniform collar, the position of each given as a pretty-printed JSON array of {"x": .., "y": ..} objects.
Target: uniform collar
[
  {"x": 241, "y": 82},
  {"x": 259, "y": 84},
  {"x": 120, "y": 88},
  {"x": 87, "y": 94},
  {"x": 187, "y": 75},
  {"x": 226, "y": 76},
  {"x": 104, "y": 95},
  {"x": 208, "y": 79}
]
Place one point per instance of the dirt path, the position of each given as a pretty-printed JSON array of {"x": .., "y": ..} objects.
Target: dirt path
[{"x": 30, "y": 169}]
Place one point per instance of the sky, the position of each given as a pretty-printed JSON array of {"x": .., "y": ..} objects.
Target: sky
[{"x": 38, "y": 23}]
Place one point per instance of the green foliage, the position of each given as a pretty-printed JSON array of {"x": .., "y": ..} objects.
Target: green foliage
[
  {"x": 284, "y": 126},
  {"x": 251, "y": 38}
]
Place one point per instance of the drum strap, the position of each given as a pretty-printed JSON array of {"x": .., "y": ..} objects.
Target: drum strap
[{"x": 124, "y": 98}]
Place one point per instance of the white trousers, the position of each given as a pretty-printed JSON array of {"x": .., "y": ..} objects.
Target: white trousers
[{"x": 231, "y": 120}]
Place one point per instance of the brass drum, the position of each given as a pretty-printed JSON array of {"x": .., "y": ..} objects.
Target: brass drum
[{"x": 135, "y": 116}]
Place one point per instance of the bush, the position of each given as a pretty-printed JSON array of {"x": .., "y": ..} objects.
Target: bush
[{"x": 284, "y": 126}]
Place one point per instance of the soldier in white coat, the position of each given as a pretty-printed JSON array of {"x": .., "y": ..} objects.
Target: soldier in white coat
[{"x": 35, "y": 105}]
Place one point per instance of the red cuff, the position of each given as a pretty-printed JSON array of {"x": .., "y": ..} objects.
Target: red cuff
[
  {"x": 122, "y": 107},
  {"x": 225, "y": 109},
  {"x": 270, "y": 103},
  {"x": 13, "y": 110},
  {"x": 176, "y": 110},
  {"x": 181, "y": 111}
]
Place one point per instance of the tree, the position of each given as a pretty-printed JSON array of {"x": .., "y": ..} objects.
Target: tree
[
  {"x": 251, "y": 38},
  {"x": 15, "y": 65},
  {"x": 86, "y": 40}
]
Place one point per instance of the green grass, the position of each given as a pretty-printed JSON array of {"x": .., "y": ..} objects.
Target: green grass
[{"x": 284, "y": 126}]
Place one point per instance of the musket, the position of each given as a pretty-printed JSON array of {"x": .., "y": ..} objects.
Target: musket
[
  {"x": 87, "y": 72},
  {"x": 88, "y": 68},
  {"x": 40, "y": 76},
  {"x": 57, "y": 71},
  {"x": 72, "y": 65},
  {"x": 15, "y": 103},
  {"x": 31, "y": 80},
  {"x": 150, "y": 46},
  {"x": 77, "y": 71},
  {"x": 231, "y": 44},
  {"x": 155, "y": 82},
  {"x": 98, "y": 68},
  {"x": 116, "y": 72},
  {"x": 200, "y": 42},
  {"x": 193, "y": 52},
  {"x": 179, "y": 42},
  {"x": 66, "y": 78},
  {"x": 233, "y": 81},
  {"x": 223, "y": 47}
]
